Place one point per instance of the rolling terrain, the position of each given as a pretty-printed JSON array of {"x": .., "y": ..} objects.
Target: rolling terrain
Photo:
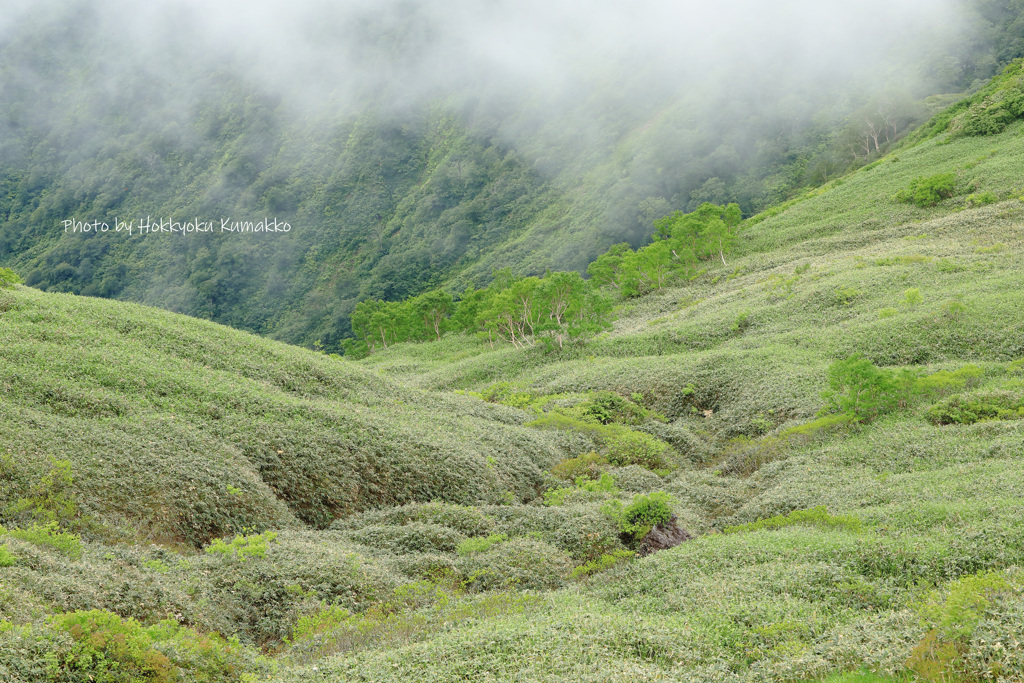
[{"x": 183, "y": 497}]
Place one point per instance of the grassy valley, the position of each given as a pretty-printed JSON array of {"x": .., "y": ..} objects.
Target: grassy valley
[{"x": 184, "y": 500}]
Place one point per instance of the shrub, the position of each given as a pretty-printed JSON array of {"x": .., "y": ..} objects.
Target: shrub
[
  {"x": 8, "y": 278},
  {"x": 947, "y": 266},
  {"x": 109, "y": 649},
  {"x": 427, "y": 566},
  {"x": 465, "y": 519},
  {"x": 911, "y": 297},
  {"x": 480, "y": 545},
  {"x": 817, "y": 516},
  {"x": 602, "y": 563},
  {"x": 951, "y": 616},
  {"x": 559, "y": 496},
  {"x": 642, "y": 514},
  {"x": 579, "y": 529},
  {"x": 51, "y": 498},
  {"x": 242, "y": 547},
  {"x": 927, "y": 191},
  {"x": 637, "y": 448},
  {"x": 982, "y": 198},
  {"x": 526, "y": 563},
  {"x": 7, "y": 558},
  {"x": 415, "y": 537},
  {"x": 859, "y": 388},
  {"x": 970, "y": 409},
  {"x": 589, "y": 466},
  {"x": 635, "y": 478},
  {"x": 845, "y": 296},
  {"x": 49, "y": 536}
]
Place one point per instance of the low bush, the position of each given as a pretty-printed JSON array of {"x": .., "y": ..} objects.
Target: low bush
[
  {"x": 603, "y": 563},
  {"x": 108, "y": 649},
  {"x": 635, "y": 479},
  {"x": 817, "y": 516},
  {"x": 480, "y": 545},
  {"x": 928, "y": 191},
  {"x": 8, "y": 278},
  {"x": 415, "y": 537},
  {"x": 642, "y": 514},
  {"x": 590, "y": 466},
  {"x": 860, "y": 389},
  {"x": 521, "y": 563},
  {"x": 465, "y": 519},
  {"x": 977, "y": 407},
  {"x": 562, "y": 495},
  {"x": 242, "y": 547},
  {"x": 48, "y": 536},
  {"x": 638, "y": 448},
  {"x": 579, "y": 529}
]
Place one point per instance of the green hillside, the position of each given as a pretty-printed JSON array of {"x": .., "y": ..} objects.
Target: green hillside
[
  {"x": 393, "y": 186},
  {"x": 835, "y": 418}
]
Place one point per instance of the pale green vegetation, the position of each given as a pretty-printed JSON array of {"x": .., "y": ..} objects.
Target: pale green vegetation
[{"x": 451, "y": 510}]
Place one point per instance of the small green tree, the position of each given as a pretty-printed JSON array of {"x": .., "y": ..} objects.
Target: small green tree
[
  {"x": 433, "y": 308},
  {"x": 8, "y": 278},
  {"x": 858, "y": 388},
  {"x": 607, "y": 269}
]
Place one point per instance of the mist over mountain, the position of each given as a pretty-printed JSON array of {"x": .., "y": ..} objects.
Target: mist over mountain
[{"x": 415, "y": 144}]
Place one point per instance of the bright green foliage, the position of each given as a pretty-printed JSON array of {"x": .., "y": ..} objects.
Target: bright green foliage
[
  {"x": 982, "y": 198},
  {"x": 817, "y": 516},
  {"x": 647, "y": 269},
  {"x": 956, "y": 609},
  {"x": 8, "y": 278},
  {"x": 608, "y": 269},
  {"x": 637, "y": 448},
  {"x": 109, "y": 649},
  {"x": 977, "y": 407},
  {"x": 48, "y": 535},
  {"x": 557, "y": 308},
  {"x": 944, "y": 382},
  {"x": 242, "y": 547},
  {"x": 992, "y": 109},
  {"x": 433, "y": 309},
  {"x": 709, "y": 231},
  {"x": 643, "y": 513},
  {"x": 480, "y": 544},
  {"x": 858, "y": 387},
  {"x": 952, "y": 614},
  {"x": 7, "y": 558},
  {"x": 928, "y": 191},
  {"x": 559, "y": 496},
  {"x": 603, "y": 563},
  {"x": 589, "y": 466}
]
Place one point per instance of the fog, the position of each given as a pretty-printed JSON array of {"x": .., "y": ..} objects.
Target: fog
[
  {"x": 317, "y": 54},
  {"x": 628, "y": 110}
]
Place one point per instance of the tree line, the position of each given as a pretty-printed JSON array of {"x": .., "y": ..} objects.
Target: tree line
[{"x": 559, "y": 307}]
